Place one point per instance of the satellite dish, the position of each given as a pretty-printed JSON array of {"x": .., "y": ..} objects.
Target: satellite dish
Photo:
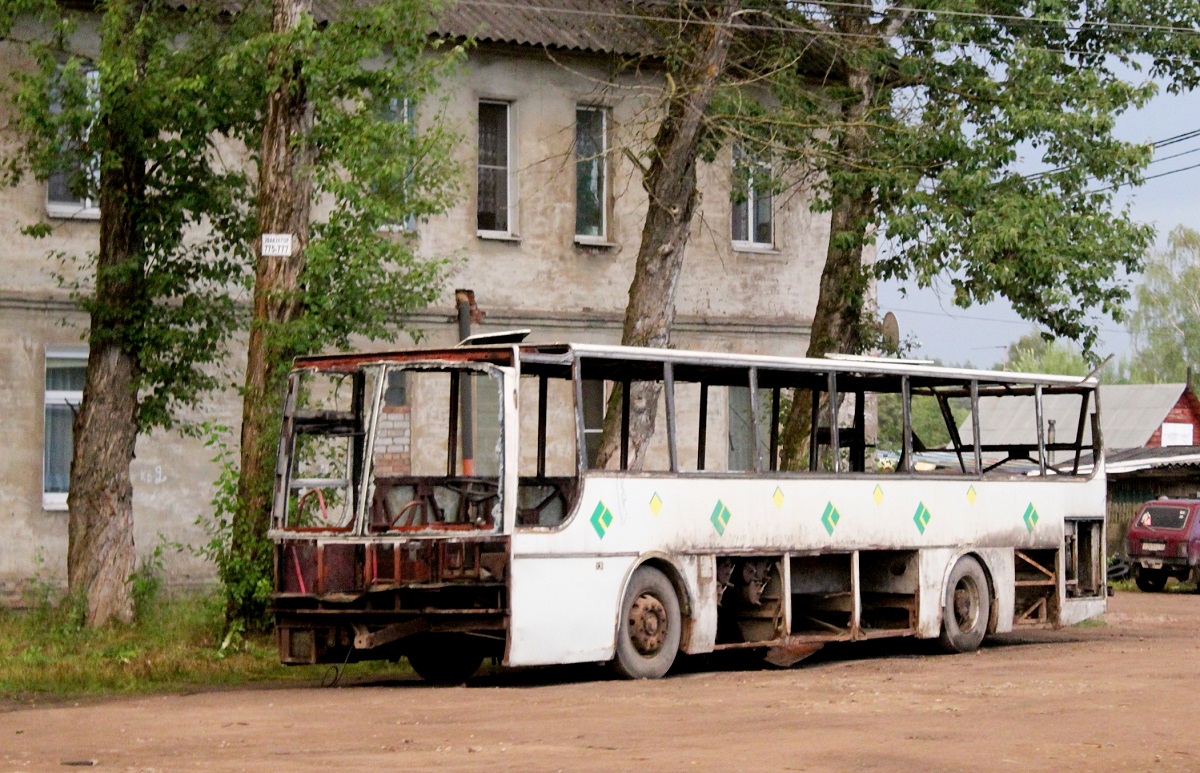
[{"x": 889, "y": 328}]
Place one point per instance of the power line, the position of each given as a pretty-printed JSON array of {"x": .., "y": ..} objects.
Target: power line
[
  {"x": 1147, "y": 177},
  {"x": 789, "y": 27},
  {"x": 1031, "y": 20},
  {"x": 1166, "y": 141},
  {"x": 968, "y": 318}
]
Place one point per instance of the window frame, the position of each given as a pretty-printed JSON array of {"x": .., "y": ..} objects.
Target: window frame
[
  {"x": 69, "y": 357},
  {"x": 85, "y": 208},
  {"x": 510, "y": 150},
  {"x": 601, "y": 165},
  {"x": 746, "y": 161},
  {"x": 403, "y": 111}
]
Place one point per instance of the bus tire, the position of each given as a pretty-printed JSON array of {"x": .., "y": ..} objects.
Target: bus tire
[
  {"x": 1150, "y": 580},
  {"x": 446, "y": 660},
  {"x": 966, "y": 607},
  {"x": 649, "y": 633}
]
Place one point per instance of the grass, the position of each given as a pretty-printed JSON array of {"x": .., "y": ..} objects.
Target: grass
[{"x": 175, "y": 643}]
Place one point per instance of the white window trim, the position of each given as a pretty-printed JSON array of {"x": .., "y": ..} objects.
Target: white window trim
[
  {"x": 57, "y": 501},
  {"x": 511, "y": 172},
  {"x": 86, "y": 208},
  {"x": 600, "y": 239},
  {"x": 743, "y": 245}
]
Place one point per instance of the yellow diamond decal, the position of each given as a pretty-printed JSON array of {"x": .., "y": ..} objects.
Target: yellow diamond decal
[
  {"x": 777, "y": 497},
  {"x": 877, "y": 494},
  {"x": 971, "y": 495},
  {"x": 655, "y": 503}
]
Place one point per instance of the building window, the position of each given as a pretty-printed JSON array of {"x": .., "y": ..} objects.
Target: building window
[
  {"x": 395, "y": 394},
  {"x": 753, "y": 224},
  {"x": 497, "y": 178},
  {"x": 403, "y": 111},
  {"x": 591, "y": 193},
  {"x": 64, "y": 392},
  {"x": 71, "y": 190}
]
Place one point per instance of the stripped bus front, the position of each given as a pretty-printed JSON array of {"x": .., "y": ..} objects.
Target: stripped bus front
[{"x": 453, "y": 511}]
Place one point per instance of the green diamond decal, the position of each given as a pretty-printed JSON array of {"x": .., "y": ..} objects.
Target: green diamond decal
[
  {"x": 921, "y": 517},
  {"x": 720, "y": 517},
  {"x": 830, "y": 518},
  {"x": 1030, "y": 517},
  {"x": 601, "y": 519}
]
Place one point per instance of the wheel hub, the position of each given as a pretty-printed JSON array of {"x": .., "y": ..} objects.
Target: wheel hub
[
  {"x": 647, "y": 624},
  {"x": 966, "y": 610}
]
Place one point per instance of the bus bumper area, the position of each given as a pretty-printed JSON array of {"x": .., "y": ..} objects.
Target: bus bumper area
[{"x": 344, "y": 601}]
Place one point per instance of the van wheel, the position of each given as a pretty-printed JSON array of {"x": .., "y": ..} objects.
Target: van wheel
[
  {"x": 649, "y": 633},
  {"x": 446, "y": 659},
  {"x": 966, "y": 608},
  {"x": 1150, "y": 580}
]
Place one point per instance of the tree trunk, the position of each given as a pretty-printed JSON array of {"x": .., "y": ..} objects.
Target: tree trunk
[
  {"x": 837, "y": 321},
  {"x": 670, "y": 184},
  {"x": 284, "y": 199},
  {"x": 100, "y": 549}
]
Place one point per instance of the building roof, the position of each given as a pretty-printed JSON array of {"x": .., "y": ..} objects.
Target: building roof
[
  {"x": 1131, "y": 413},
  {"x": 597, "y": 26},
  {"x": 1136, "y": 459}
]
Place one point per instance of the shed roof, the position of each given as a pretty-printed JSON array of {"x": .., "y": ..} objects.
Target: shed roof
[{"x": 1130, "y": 415}]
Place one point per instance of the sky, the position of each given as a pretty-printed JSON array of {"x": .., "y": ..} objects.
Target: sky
[{"x": 980, "y": 335}]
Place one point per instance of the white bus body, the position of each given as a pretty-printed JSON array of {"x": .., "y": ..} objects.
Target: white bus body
[{"x": 450, "y": 555}]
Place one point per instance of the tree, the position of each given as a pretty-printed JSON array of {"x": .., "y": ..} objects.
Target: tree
[
  {"x": 919, "y": 121},
  {"x": 176, "y": 89},
  {"x": 1166, "y": 323},
  {"x": 337, "y": 126},
  {"x": 911, "y": 121},
  {"x": 695, "y": 69},
  {"x": 1032, "y": 353},
  {"x": 140, "y": 141}
]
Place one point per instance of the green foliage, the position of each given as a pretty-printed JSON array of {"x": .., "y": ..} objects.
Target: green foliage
[
  {"x": 1166, "y": 323},
  {"x": 382, "y": 160},
  {"x": 243, "y": 560},
  {"x": 1033, "y": 353},
  {"x": 936, "y": 113},
  {"x": 159, "y": 112},
  {"x": 173, "y": 644},
  {"x": 928, "y": 423}
]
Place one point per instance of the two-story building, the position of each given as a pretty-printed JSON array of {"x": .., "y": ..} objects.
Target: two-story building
[{"x": 545, "y": 234}]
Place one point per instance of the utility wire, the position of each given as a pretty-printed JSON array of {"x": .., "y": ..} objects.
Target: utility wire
[{"x": 777, "y": 28}]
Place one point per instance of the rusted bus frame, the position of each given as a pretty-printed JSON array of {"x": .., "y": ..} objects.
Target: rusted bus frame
[
  {"x": 941, "y": 383},
  {"x": 854, "y": 631},
  {"x": 362, "y": 481}
]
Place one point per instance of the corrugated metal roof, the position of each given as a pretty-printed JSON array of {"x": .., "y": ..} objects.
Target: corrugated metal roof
[
  {"x": 600, "y": 26},
  {"x": 1130, "y": 413}
]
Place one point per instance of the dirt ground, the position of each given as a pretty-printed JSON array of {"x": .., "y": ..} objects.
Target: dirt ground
[{"x": 1121, "y": 696}]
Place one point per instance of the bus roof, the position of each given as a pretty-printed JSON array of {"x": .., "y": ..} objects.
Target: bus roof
[{"x": 563, "y": 354}]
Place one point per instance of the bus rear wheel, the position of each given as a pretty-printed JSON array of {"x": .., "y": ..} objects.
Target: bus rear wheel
[
  {"x": 966, "y": 608},
  {"x": 649, "y": 633},
  {"x": 445, "y": 659}
]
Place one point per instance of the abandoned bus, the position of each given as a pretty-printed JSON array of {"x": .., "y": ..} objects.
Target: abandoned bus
[{"x": 448, "y": 505}]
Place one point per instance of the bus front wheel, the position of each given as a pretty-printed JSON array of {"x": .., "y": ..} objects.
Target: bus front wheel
[
  {"x": 649, "y": 633},
  {"x": 966, "y": 608}
]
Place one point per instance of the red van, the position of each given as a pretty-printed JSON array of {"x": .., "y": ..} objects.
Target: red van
[{"x": 1164, "y": 541}]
